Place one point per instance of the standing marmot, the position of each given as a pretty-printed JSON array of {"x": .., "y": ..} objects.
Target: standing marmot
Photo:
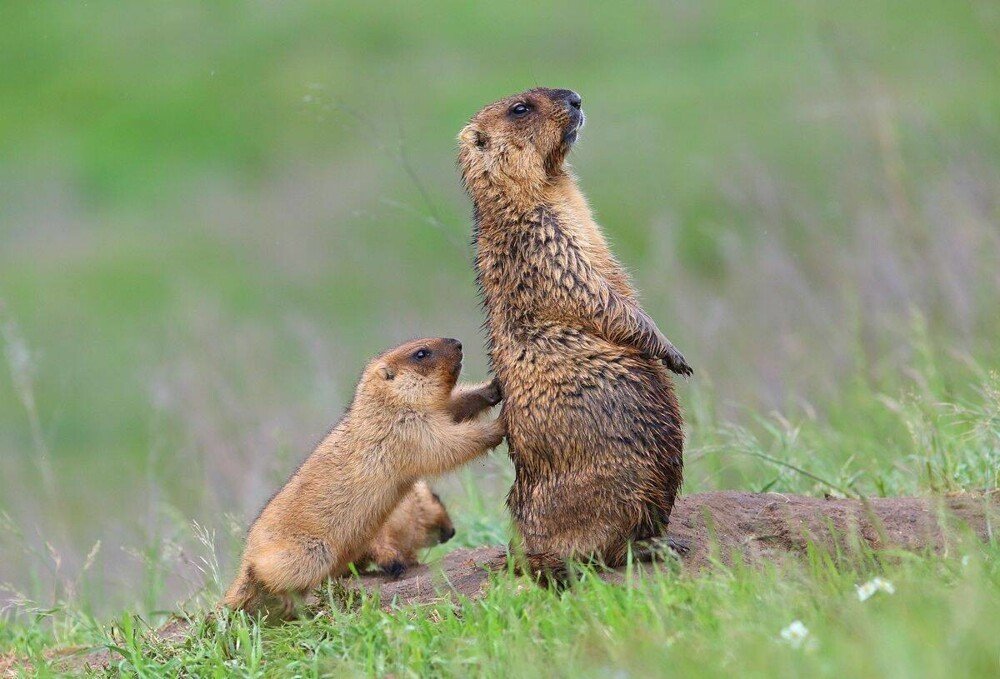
[
  {"x": 419, "y": 520},
  {"x": 400, "y": 426},
  {"x": 593, "y": 426}
]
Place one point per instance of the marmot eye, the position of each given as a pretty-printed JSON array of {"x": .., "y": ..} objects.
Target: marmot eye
[
  {"x": 519, "y": 109},
  {"x": 421, "y": 354}
]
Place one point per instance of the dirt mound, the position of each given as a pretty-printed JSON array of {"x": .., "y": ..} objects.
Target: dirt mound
[
  {"x": 717, "y": 527},
  {"x": 721, "y": 527}
]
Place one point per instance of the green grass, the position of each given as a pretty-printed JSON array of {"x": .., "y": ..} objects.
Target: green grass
[
  {"x": 724, "y": 623},
  {"x": 939, "y": 621},
  {"x": 211, "y": 215}
]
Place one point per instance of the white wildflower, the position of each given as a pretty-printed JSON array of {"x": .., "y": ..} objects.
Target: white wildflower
[
  {"x": 965, "y": 561},
  {"x": 868, "y": 590},
  {"x": 797, "y": 635}
]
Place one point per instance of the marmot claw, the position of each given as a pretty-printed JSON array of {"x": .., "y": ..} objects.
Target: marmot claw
[
  {"x": 393, "y": 569},
  {"x": 676, "y": 363}
]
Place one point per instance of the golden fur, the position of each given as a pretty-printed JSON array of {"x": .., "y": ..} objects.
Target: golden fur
[
  {"x": 594, "y": 429},
  {"x": 420, "y": 520},
  {"x": 399, "y": 427}
]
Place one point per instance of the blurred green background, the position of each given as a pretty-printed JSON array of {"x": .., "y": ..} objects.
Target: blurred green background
[{"x": 212, "y": 214}]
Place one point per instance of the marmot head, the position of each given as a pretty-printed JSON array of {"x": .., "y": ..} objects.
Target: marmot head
[
  {"x": 418, "y": 374},
  {"x": 432, "y": 515},
  {"x": 520, "y": 141}
]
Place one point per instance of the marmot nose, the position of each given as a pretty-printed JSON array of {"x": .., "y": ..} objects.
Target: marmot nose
[
  {"x": 447, "y": 534},
  {"x": 454, "y": 342},
  {"x": 569, "y": 97}
]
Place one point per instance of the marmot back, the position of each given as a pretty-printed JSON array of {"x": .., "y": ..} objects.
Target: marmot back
[{"x": 594, "y": 428}]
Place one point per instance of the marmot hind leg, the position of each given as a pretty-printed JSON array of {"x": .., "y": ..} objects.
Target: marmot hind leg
[
  {"x": 249, "y": 595},
  {"x": 658, "y": 548},
  {"x": 286, "y": 573},
  {"x": 547, "y": 569},
  {"x": 390, "y": 559},
  {"x": 243, "y": 592}
]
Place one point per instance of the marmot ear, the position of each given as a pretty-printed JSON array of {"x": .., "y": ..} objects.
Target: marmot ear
[
  {"x": 386, "y": 372},
  {"x": 473, "y": 136}
]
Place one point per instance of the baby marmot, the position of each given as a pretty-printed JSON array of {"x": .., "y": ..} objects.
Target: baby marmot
[
  {"x": 420, "y": 520},
  {"x": 406, "y": 421}
]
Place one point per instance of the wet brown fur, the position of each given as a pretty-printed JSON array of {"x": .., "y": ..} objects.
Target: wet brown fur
[
  {"x": 399, "y": 427},
  {"x": 420, "y": 520},
  {"x": 593, "y": 425}
]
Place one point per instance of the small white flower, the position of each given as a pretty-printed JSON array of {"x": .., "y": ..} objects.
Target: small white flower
[
  {"x": 868, "y": 590},
  {"x": 965, "y": 561},
  {"x": 796, "y": 634}
]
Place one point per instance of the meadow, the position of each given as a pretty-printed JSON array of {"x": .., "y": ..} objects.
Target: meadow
[{"x": 212, "y": 215}]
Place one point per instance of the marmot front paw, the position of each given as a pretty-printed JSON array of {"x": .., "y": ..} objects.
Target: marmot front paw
[
  {"x": 492, "y": 392},
  {"x": 393, "y": 569},
  {"x": 496, "y": 434},
  {"x": 676, "y": 363}
]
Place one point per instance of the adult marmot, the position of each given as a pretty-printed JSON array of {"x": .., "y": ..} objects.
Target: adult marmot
[
  {"x": 420, "y": 520},
  {"x": 593, "y": 426},
  {"x": 400, "y": 426}
]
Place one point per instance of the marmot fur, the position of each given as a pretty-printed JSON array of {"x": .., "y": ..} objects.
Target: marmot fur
[
  {"x": 420, "y": 520},
  {"x": 400, "y": 426},
  {"x": 593, "y": 426}
]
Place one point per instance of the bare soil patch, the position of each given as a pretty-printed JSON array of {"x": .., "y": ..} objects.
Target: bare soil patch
[{"x": 726, "y": 526}]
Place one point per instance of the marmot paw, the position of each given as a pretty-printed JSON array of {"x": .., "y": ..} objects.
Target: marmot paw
[
  {"x": 676, "y": 363},
  {"x": 492, "y": 392},
  {"x": 678, "y": 545},
  {"x": 493, "y": 433},
  {"x": 393, "y": 569}
]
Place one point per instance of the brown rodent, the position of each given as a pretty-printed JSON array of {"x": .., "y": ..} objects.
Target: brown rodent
[
  {"x": 420, "y": 520},
  {"x": 594, "y": 428},
  {"x": 400, "y": 427}
]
